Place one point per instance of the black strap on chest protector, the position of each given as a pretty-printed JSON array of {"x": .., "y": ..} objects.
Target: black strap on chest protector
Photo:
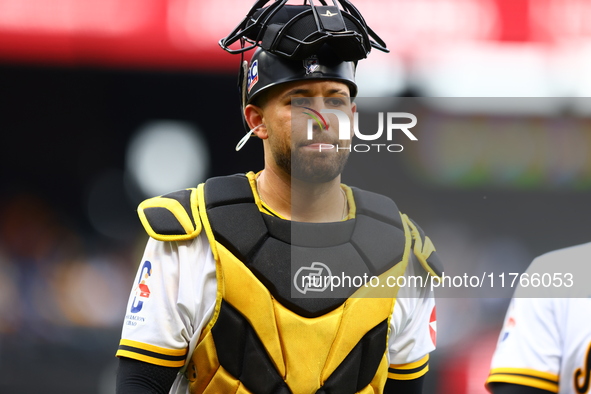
[{"x": 274, "y": 249}]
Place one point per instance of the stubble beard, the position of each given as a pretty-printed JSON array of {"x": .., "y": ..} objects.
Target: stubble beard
[{"x": 311, "y": 166}]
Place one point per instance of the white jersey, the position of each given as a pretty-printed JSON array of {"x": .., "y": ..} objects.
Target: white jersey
[
  {"x": 174, "y": 298},
  {"x": 546, "y": 342}
]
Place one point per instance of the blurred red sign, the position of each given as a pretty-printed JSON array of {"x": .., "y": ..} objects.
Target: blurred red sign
[{"x": 183, "y": 34}]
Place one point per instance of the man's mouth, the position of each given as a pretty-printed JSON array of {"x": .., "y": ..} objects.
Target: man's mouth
[{"x": 320, "y": 146}]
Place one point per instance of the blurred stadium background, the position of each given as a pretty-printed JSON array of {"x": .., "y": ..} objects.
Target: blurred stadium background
[{"x": 106, "y": 102}]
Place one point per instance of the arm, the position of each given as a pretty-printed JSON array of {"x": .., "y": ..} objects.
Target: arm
[
  {"x": 528, "y": 353},
  {"x": 413, "y": 335},
  {"x": 157, "y": 333},
  {"x": 138, "y": 377},
  {"x": 414, "y": 386}
]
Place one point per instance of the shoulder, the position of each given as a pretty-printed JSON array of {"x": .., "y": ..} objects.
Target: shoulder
[
  {"x": 423, "y": 248},
  {"x": 176, "y": 216},
  {"x": 561, "y": 273},
  {"x": 572, "y": 255},
  {"x": 173, "y": 216}
]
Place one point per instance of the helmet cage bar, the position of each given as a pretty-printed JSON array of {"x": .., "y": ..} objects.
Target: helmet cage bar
[
  {"x": 378, "y": 44},
  {"x": 255, "y": 29},
  {"x": 243, "y": 28}
]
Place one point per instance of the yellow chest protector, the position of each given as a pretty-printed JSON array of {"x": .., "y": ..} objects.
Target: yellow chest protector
[{"x": 261, "y": 339}]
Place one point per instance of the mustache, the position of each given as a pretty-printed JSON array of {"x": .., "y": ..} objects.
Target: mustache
[
  {"x": 319, "y": 138},
  {"x": 326, "y": 141}
]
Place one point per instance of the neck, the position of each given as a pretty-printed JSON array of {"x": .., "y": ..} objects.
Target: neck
[{"x": 302, "y": 201}]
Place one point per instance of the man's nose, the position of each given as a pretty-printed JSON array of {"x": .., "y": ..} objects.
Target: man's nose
[{"x": 323, "y": 120}]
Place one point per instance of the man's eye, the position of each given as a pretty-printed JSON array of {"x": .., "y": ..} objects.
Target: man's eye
[
  {"x": 300, "y": 101},
  {"x": 335, "y": 102}
]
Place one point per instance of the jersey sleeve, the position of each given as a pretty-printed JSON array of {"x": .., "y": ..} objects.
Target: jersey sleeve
[
  {"x": 528, "y": 349},
  {"x": 413, "y": 330},
  {"x": 172, "y": 298}
]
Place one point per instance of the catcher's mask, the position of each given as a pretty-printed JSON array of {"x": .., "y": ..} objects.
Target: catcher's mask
[
  {"x": 298, "y": 31},
  {"x": 299, "y": 42},
  {"x": 267, "y": 70}
]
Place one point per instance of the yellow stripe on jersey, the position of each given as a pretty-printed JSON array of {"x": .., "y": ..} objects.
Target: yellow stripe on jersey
[
  {"x": 350, "y": 202},
  {"x": 152, "y": 354},
  {"x": 269, "y": 211},
  {"x": 525, "y": 377},
  {"x": 409, "y": 371}
]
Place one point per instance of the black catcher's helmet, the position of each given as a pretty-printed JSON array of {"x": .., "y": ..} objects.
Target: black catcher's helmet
[
  {"x": 267, "y": 70},
  {"x": 300, "y": 42}
]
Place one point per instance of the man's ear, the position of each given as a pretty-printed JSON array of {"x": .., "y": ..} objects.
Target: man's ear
[
  {"x": 255, "y": 120},
  {"x": 353, "y": 110}
]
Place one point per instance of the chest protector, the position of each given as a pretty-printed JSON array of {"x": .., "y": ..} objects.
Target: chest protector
[{"x": 263, "y": 338}]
